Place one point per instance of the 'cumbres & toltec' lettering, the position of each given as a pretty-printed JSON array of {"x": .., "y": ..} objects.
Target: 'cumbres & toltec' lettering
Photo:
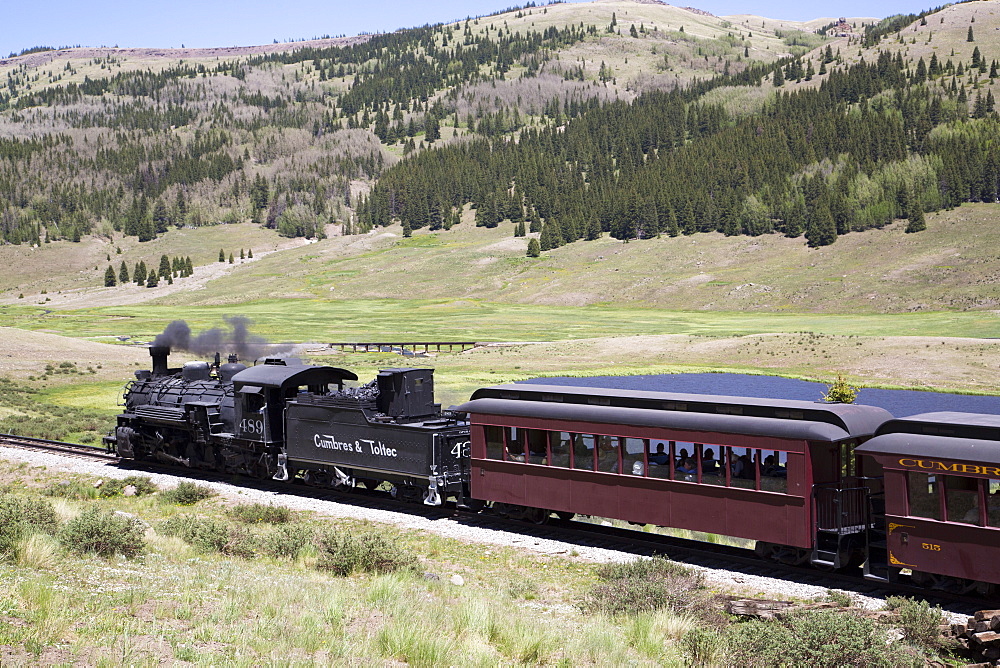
[
  {"x": 933, "y": 465},
  {"x": 378, "y": 448}
]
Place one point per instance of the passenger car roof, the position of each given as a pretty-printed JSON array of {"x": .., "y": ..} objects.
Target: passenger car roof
[
  {"x": 943, "y": 435},
  {"x": 750, "y": 415}
]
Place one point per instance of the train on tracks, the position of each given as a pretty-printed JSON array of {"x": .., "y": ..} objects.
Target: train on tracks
[{"x": 834, "y": 485}]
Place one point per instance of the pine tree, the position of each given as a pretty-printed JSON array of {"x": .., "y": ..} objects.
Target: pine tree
[
  {"x": 123, "y": 277},
  {"x": 249, "y": 253},
  {"x": 164, "y": 270},
  {"x": 242, "y": 254},
  {"x": 140, "y": 273},
  {"x": 151, "y": 280},
  {"x": 231, "y": 260},
  {"x": 970, "y": 38},
  {"x": 109, "y": 277},
  {"x": 916, "y": 222},
  {"x": 519, "y": 229},
  {"x": 222, "y": 255},
  {"x": 534, "y": 248},
  {"x": 779, "y": 77},
  {"x": 822, "y": 230}
]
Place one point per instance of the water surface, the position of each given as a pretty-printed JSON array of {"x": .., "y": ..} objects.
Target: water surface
[{"x": 898, "y": 402}]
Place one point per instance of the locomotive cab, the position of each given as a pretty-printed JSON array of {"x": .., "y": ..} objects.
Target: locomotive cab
[{"x": 261, "y": 392}]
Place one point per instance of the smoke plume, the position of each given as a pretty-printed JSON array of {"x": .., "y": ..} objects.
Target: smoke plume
[{"x": 237, "y": 339}]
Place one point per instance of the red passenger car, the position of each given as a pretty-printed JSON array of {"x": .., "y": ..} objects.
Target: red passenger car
[
  {"x": 776, "y": 471},
  {"x": 942, "y": 499}
]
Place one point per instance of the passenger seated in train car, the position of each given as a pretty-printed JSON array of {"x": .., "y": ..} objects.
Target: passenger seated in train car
[
  {"x": 583, "y": 452},
  {"x": 661, "y": 458},
  {"x": 708, "y": 462},
  {"x": 537, "y": 451},
  {"x": 515, "y": 448},
  {"x": 688, "y": 468},
  {"x": 559, "y": 442},
  {"x": 607, "y": 455},
  {"x": 772, "y": 468},
  {"x": 682, "y": 455}
]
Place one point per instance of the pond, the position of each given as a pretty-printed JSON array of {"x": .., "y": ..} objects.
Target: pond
[{"x": 898, "y": 402}]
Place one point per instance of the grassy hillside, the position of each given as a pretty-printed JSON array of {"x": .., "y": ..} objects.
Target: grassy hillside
[{"x": 953, "y": 265}]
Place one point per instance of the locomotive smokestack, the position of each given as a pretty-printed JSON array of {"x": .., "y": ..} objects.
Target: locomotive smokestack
[{"x": 159, "y": 355}]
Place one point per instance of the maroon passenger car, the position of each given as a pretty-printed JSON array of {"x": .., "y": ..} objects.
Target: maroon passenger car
[
  {"x": 771, "y": 470},
  {"x": 942, "y": 498}
]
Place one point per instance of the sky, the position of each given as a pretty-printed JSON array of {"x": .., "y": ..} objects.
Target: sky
[{"x": 205, "y": 23}]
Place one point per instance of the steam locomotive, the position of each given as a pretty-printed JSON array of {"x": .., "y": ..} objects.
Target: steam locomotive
[
  {"x": 833, "y": 485},
  {"x": 281, "y": 419}
]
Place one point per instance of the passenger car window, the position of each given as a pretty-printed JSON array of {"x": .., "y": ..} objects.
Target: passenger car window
[
  {"x": 962, "y": 499},
  {"x": 993, "y": 503},
  {"x": 633, "y": 455},
  {"x": 560, "y": 443},
  {"x": 494, "y": 442},
  {"x": 583, "y": 452},
  {"x": 515, "y": 444},
  {"x": 607, "y": 454},
  {"x": 537, "y": 450},
  {"x": 712, "y": 469},
  {"x": 923, "y": 497}
]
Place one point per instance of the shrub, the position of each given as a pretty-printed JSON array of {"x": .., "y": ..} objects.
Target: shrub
[
  {"x": 204, "y": 533},
  {"x": 286, "y": 542},
  {"x": 115, "y": 487},
  {"x": 72, "y": 489},
  {"x": 188, "y": 493},
  {"x": 919, "y": 621},
  {"x": 209, "y": 535},
  {"x": 701, "y": 646},
  {"x": 644, "y": 585},
  {"x": 259, "y": 513},
  {"x": 841, "y": 598},
  {"x": 822, "y": 638},
  {"x": 105, "y": 533},
  {"x": 344, "y": 553},
  {"x": 22, "y": 516}
]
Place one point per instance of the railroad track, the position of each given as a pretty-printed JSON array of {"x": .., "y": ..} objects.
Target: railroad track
[
  {"x": 582, "y": 533},
  {"x": 77, "y": 450}
]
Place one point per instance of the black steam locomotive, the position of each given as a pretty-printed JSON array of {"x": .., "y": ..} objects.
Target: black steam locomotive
[{"x": 281, "y": 418}]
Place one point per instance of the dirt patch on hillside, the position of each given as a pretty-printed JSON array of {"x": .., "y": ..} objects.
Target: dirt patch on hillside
[
  {"x": 24, "y": 353},
  {"x": 130, "y": 293}
]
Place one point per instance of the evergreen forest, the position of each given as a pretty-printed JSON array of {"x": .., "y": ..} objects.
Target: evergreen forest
[{"x": 533, "y": 116}]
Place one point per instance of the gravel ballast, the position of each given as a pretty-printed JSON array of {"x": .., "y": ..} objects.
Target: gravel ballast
[{"x": 721, "y": 579}]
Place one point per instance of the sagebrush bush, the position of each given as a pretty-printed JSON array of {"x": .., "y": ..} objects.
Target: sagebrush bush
[
  {"x": 645, "y": 585},
  {"x": 286, "y": 542},
  {"x": 204, "y": 533},
  {"x": 642, "y": 568},
  {"x": 344, "y": 553},
  {"x": 259, "y": 513},
  {"x": 919, "y": 621},
  {"x": 21, "y": 516},
  {"x": 821, "y": 638},
  {"x": 187, "y": 493},
  {"x": 210, "y": 535},
  {"x": 115, "y": 487},
  {"x": 105, "y": 533}
]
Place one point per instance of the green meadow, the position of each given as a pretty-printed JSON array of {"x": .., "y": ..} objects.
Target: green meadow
[{"x": 316, "y": 320}]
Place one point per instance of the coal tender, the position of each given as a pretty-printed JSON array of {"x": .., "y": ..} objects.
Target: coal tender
[{"x": 387, "y": 431}]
